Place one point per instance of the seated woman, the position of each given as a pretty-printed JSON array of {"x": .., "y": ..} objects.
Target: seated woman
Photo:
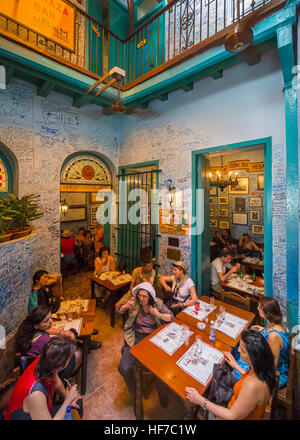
[
  {"x": 103, "y": 263},
  {"x": 67, "y": 246},
  {"x": 41, "y": 294},
  {"x": 35, "y": 331},
  {"x": 276, "y": 335},
  {"x": 146, "y": 314},
  {"x": 33, "y": 394},
  {"x": 183, "y": 288},
  {"x": 252, "y": 392},
  {"x": 247, "y": 247}
]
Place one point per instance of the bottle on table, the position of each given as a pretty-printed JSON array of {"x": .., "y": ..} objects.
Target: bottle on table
[
  {"x": 69, "y": 415},
  {"x": 253, "y": 275},
  {"x": 212, "y": 333}
]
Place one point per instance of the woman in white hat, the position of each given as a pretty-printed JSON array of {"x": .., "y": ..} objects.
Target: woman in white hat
[
  {"x": 183, "y": 288},
  {"x": 146, "y": 313}
]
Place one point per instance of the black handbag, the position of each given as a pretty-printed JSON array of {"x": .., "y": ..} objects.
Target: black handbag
[{"x": 221, "y": 387}]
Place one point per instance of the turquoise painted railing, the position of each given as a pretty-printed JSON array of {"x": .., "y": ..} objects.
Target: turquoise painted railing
[{"x": 177, "y": 30}]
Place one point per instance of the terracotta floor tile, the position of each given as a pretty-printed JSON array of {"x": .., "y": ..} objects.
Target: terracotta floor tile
[{"x": 96, "y": 408}]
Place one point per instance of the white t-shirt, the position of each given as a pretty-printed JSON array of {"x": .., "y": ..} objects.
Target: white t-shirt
[
  {"x": 217, "y": 266},
  {"x": 183, "y": 292}
]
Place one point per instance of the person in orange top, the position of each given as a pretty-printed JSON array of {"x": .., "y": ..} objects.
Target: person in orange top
[
  {"x": 99, "y": 237},
  {"x": 252, "y": 392}
]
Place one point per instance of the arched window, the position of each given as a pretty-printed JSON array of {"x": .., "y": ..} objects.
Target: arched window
[{"x": 6, "y": 175}]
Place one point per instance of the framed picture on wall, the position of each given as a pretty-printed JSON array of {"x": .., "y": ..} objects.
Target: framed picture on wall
[
  {"x": 223, "y": 212},
  {"x": 74, "y": 214},
  {"x": 93, "y": 198},
  {"x": 260, "y": 181},
  {"x": 93, "y": 221},
  {"x": 73, "y": 199},
  {"x": 257, "y": 229},
  {"x": 239, "y": 219},
  {"x": 241, "y": 188},
  {"x": 223, "y": 200},
  {"x": 213, "y": 223},
  {"x": 254, "y": 216},
  {"x": 224, "y": 224},
  {"x": 93, "y": 209},
  {"x": 211, "y": 200},
  {"x": 213, "y": 191},
  {"x": 255, "y": 201},
  {"x": 240, "y": 203},
  {"x": 211, "y": 213}
]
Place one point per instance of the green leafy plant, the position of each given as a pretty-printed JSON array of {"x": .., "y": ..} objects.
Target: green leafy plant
[{"x": 22, "y": 210}]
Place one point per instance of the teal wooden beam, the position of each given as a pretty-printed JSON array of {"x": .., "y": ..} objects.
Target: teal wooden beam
[
  {"x": 285, "y": 44},
  {"x": 163, "y": 97},
  {"x": 217, "y": 74},
  {"x": 9, "y": 73},
  {"x": 81, "y": 100},
  {"x": 45, "y": 87},
  {"x": 188, "y": 87}
]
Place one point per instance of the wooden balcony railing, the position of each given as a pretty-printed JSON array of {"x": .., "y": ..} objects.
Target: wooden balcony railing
[{"x": 180, "y": 30}]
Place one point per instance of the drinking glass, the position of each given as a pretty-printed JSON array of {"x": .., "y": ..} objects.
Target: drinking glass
[
  {"x": 70, "y": 315},
  {"x": 212, "y": 301},
  {"x": 222, "y": 311}
]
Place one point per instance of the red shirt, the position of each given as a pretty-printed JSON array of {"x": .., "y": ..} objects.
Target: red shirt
[{"x": 67, "y": 245}]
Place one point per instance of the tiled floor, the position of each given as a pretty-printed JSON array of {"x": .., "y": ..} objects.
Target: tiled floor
[{"x": 107, "y": 397}]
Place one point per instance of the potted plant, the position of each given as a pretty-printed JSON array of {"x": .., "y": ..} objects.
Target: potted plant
[
  {"x": 22, "y": 211},
  {"x": 4, "y": 228}
]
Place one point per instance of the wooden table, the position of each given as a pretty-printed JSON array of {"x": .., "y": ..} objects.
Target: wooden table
[
  {"x": 253, "y": 266},
  {"x": 86, "y": 331},
  {"x": 116, "y": 293},
  {"x": 244, "y": 292},
  {"x": 244, "y": 314},
  {"x": 164, "y": 367}
]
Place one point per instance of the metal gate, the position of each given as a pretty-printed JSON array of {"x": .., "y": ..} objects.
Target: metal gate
[{"x": 140, "y": 240}]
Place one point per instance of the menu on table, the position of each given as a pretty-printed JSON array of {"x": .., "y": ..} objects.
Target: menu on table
[
  {"x": 169, "y": 338},
  {"x": 66, "y": 325},
  {"x": 232, "y": 325},
  {"x": 204, "y": 310},
  {"x": 202, "y": 369}
]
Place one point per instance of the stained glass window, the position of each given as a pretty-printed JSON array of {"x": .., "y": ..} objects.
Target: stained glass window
[
  {"x": 3, "y": 178},
  {"x": 86, "y": 169}
]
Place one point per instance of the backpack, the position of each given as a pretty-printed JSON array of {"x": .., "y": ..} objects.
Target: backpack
[{"x": 221, "y": 387}]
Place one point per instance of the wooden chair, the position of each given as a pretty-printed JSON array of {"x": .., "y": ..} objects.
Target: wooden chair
[
  {"x": 6, "y": 390},
  {"x": 271, "y": 409},
  {"x": 235, "y": 299},
  {"x": 285, "y": 395}
]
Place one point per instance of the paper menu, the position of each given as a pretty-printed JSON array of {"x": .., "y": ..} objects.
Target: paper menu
[
  {"x": 202, "y": 313},
  {"x": 232, "y": 325},
  {"x": 66, "y": 325},
  {"x": 169, "y": 338},
  {"x": 203, "y": 369}
]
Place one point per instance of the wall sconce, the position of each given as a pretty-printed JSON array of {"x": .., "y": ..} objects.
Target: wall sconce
[{"x": 64, "y": 207}]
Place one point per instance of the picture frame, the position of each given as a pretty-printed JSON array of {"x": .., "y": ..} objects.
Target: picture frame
[
  {"x": 74, "y": 214},
  {"x": 223, "y": 200},
  {"x": 213, "y": 191},
  {"x": 93, "y": 209},
  {"x": 257, "y": 229},
  {"x": 240, "y": 204},
  {"x": 241, "y": 188},
  {"x": 73, "y": 199},
  {"x": 240, "y": 218},
  {"x": 211, "y": 212},
  {"x": 224, "y": 224},
  {"x": 254, "y": 216},
  {"x": 255, "y": 201},
  {"x": 94, "y": 200},
  {"x": 213, "y": 223},
  {"x": 260, "y": 181},
  {"x": 223, "y": 212},
  {"x": 92, "y": 220},
  {"x": 211, "y": 200}
]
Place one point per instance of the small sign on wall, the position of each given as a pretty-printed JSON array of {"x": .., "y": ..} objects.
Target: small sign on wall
[{"x": 141, "y": 43}]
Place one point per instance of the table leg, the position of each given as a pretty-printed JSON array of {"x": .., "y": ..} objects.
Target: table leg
[
  {"x": 92, "y": 289},
  {"x": 138, "y": 397},
  {"x": 85, "y": 352}
]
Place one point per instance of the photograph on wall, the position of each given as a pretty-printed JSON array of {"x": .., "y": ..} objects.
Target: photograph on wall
[
  {"x": 260, "y": 181},
  {"x": 213, "y": 223},
  {"x": 74, "y": 214},
  {"x": 95, "y": 199},
  {"x": 93, "y": 209},
  {"x": 211, "y": 200},
  {"x": 257, "y": 229},
  {"x": 223, "y": 212},
  {"x": 223, "y": 200},
  {"x": 239, "y": 219},
  {"x": 254, "y": 216},
  {"x": 73, "y": 199},
  {"x": 255, "y": 201},
  {"x": 240, "y": 204},
  {"x": 213, "y": 191},
  {"x": 211, "y": 213},
  {"x": 93, "y": 221},
  {"x": 241, "y": 188},
  {"x": 174, "y": 221},
  {"x": 224, "y": 224}
]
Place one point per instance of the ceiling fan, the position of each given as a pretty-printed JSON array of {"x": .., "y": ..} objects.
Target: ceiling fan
[{"x": 241, "y": 37}]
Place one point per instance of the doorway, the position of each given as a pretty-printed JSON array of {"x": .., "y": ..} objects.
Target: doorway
[{"x": 230, "y": 217}]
